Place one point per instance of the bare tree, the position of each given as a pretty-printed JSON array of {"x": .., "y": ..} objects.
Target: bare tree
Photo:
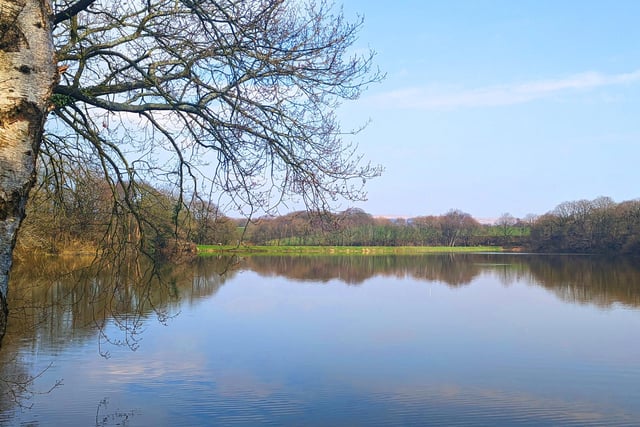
[
  {"x": 506, "y": 223},
  {"x": 457, "y": 226},
  {"x": 234, "y": 96},
  {"x": 27, "y": 75}
]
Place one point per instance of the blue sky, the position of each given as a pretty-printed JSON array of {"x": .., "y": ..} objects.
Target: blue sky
[{"x": 499, "y": 106}]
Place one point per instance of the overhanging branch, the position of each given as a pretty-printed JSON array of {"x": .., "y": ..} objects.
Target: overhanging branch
[
  {"x": 78, "y": 95},
  {"x": 71, "y": 11}
]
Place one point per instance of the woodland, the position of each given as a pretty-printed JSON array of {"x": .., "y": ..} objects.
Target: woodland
[{"x": 78, "y": 220}]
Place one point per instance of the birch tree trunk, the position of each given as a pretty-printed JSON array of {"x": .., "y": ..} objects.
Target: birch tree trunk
[{"x": 27, "y": 75}]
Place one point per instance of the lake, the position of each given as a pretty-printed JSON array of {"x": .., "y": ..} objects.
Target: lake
[{"x": 465, "y": 339}]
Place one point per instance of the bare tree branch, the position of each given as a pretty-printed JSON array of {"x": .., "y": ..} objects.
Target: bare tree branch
[{"x": 72, "y": 11}]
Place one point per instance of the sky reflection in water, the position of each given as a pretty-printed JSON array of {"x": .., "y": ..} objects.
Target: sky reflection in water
[{"x": 393, "y": 350}]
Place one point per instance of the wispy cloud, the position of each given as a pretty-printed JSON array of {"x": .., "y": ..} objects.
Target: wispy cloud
[{"x": 500, "y": 95}]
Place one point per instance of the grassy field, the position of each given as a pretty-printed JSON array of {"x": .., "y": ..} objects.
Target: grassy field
[{"x": 340, "y": 250}]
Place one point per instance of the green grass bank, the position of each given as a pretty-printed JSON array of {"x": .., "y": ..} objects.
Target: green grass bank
[{"x": 340, "y": 250}]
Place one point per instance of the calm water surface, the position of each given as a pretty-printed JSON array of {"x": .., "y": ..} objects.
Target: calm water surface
[{"x": 483, "y": 339}]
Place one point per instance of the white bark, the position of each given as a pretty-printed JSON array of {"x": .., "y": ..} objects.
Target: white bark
[{"x": 27, "y": 74}]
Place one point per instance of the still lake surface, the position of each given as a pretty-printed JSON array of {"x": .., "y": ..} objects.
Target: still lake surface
[{"x": 473, "y": 339}]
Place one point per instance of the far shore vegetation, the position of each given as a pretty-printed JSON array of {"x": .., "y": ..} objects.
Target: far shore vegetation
[{"x": 80, "y": 220}]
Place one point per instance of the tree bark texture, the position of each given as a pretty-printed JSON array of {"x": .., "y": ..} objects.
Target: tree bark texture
[{"x": 27, "y": 74}]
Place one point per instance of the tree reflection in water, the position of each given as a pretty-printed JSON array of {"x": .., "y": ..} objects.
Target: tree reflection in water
[
  {"x": 453, "y": 269},
  {"x": 56, "y": 301},
  {"x": 575, "y": 279}
]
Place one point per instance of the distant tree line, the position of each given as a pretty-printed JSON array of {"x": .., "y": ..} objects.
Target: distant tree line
[
  {"x": 589, "y": 226},
  {"x": 354, "y": 227},
  {"x": 85, "y": 215},
  {"x": 584, "y": 226}
]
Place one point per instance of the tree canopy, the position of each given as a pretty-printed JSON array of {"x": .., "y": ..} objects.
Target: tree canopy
[{"x": 234, "y": 96}]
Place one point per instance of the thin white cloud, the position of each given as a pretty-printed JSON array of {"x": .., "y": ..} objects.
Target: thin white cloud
[{"x": 492, "y": 96}]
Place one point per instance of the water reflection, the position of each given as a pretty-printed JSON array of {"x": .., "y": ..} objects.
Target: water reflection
[
  {"x": 59, "y": 300},
  {"x": 576, "y": 279},
  {"x": 453, "y": 269},
  {"x": 59, "y": 304}
]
